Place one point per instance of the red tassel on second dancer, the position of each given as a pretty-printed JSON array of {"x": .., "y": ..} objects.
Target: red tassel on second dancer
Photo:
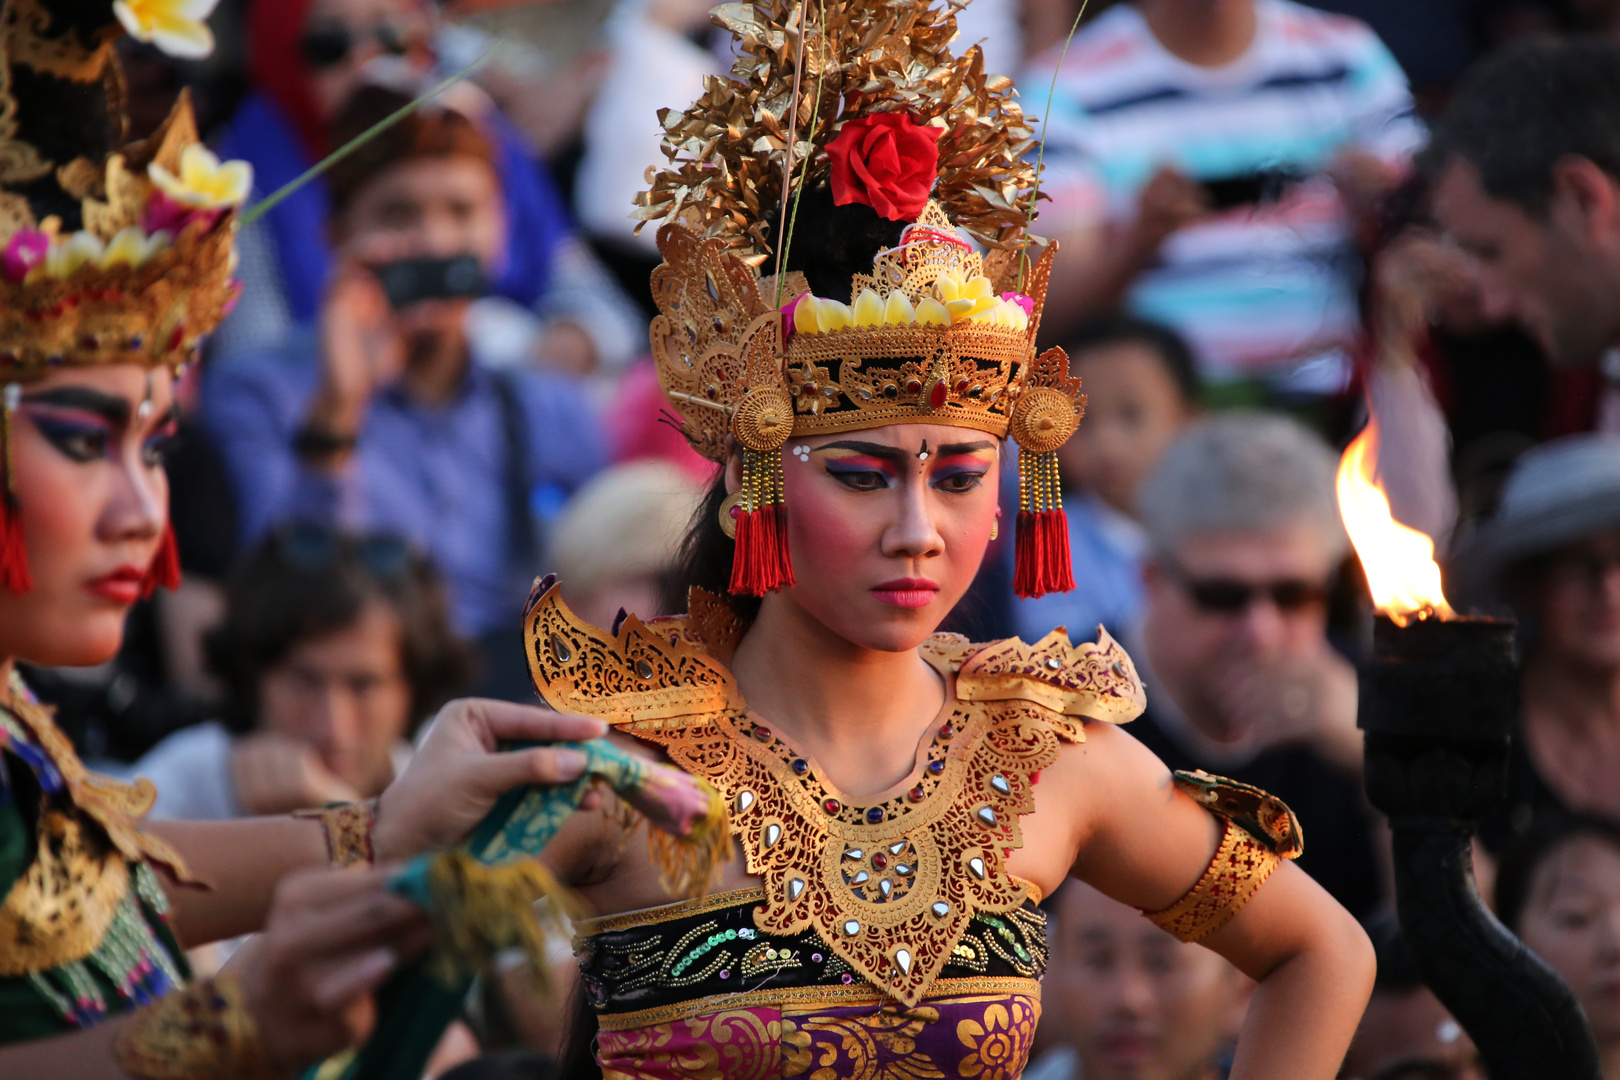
[
  {"x": 14, "y": 575},
  {"x": 165, "y": 568}
]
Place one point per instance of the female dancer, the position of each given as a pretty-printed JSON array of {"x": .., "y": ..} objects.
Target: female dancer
[
  {"x": 902, "y": 799},
  {"x": 113, "y": 265}
]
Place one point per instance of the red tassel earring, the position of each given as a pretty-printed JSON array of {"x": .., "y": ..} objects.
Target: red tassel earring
[
  {"x": 14, "y": 575},
  {"x": 1042, "y": 422},
  {"x": 761, "y": 563},
  {"x": 761, "y": 424},
  {"x": 1041, "y": 561},
  {"x": 165, "y": 568}
]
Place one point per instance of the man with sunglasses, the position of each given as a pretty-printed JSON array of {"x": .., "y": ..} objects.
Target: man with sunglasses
[{"x": 1245, "y": 539}]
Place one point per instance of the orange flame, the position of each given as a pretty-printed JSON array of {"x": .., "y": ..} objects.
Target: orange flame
[{"x": 1399, "y": 561}]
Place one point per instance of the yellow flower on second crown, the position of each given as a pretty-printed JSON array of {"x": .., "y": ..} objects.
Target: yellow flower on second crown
[{"x": 205, "y": 182}]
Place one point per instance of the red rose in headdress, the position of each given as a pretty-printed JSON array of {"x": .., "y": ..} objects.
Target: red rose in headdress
[{"x": 887, "y": 161}]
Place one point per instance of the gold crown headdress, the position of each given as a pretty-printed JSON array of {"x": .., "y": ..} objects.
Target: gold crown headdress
[
  {"x": 109, "y": 253},
  {"x": 865, "y": 97}
]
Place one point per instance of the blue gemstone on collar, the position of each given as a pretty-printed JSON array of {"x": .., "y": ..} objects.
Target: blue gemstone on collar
[
  {"x": 801, "y": 766},
  {"x": 874, "y": 816}
]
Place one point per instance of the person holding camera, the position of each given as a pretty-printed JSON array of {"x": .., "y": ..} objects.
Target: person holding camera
[{"x": 382, "y": 418}]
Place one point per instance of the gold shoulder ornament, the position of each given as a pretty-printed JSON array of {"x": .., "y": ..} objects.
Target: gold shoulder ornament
[{"x": 61, "y": 907}]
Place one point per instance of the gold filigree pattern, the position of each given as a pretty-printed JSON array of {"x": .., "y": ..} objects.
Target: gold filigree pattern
[
  {"x": 890, "y": 883},
  {"x": 878, "y": 1046},
  {"x": 647, "y": 673},
  {"x": 1095, "y": 681},
  {"x": 724, "y": 176},
  {"x": 1261, "y": 814},
  {"x": 1240, "y": 865},
  {"x": 114, "y": 806},
  {"x": 718, "y": 338},
  {"x": 201, "y": 1032},
  {"x": 62, "y": 905}
]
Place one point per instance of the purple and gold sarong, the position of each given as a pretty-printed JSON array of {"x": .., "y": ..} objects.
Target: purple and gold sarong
[{"x": 696, "y": 991}]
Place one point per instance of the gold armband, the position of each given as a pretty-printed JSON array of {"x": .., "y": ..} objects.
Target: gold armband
[
  {"x": 1259, "y": 832},
  {"x": 348, "y": 828},
  {"x": 199, "y": 1032}
]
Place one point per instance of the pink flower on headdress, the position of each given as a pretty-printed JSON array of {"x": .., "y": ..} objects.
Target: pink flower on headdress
[
  {"x": 163, "y": 214},
  {"x": 887, "y": 161},
  {"x": 26, "y": 250},
  {"x": 1022, "y": 301}
]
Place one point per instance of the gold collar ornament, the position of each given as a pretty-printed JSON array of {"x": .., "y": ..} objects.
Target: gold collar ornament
[
  {"x": 890, "y": 882},
  {"x": 868, "y": 99},
  {"x": 109, "y": 254}
]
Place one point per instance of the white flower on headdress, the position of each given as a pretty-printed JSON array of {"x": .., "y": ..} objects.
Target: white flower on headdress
[
  {"x": 131, "y": 247},
  {"x": 204, "y": 183},
  {"x": 175, "y": 26}
]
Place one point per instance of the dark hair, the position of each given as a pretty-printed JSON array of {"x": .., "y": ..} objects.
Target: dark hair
[
  {"x": 831, "y": 244},
  {"x": 428, "y": 132},
  {"x": 1524, "y": 857},
  {"x": 704, "y": 560},
  {"x": 1519, "y": 112},
  {"x": 1170, "y": 347},
  {"x": 296, "y": 586}
]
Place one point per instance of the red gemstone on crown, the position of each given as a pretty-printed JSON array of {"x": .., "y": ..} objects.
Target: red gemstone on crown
[
  {"x": 880, "y": 861},
  {"x": 936, "y": 396}
]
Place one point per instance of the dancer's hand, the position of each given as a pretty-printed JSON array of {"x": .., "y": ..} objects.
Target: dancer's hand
[
  {"x": 332, "y": 938},
  {"x": 455, "y": 777}
]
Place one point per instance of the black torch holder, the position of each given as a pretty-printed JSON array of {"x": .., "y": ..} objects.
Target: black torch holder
[{"x": 1438, "y": 702}]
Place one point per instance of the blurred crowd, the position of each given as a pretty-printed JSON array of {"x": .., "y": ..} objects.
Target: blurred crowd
[{"x": 1279, "y": 224}]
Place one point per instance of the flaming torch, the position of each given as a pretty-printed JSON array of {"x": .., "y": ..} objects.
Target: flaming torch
[{"x": 1438, "y": 697}]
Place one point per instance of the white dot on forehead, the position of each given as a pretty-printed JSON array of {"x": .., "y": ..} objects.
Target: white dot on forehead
[{"x": 1447, "y": 1031}]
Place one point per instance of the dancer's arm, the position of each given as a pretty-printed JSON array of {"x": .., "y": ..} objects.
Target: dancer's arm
[
  {"x": 451, "y": 783},
  {"x": 1145, "y": 843}
]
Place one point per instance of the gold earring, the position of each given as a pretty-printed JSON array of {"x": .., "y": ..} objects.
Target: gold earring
[
  {"x": 995, "y": 526},
  {"x": 728, "y": 507}
]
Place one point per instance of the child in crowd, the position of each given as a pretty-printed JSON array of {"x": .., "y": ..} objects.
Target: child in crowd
[
  {"x": 1123, "y": 1000},
  {"x": 1142, "y": 388},
  {"x": 1558, "y": 888},
  {"x": 333, "y": 649}
]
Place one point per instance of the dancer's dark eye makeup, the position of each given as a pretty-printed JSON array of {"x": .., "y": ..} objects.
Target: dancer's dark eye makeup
[
  {"x": 960, "y": 473},
  {"x": 161, "y": 443},
  {"x": 859, "y": 472},
  {"x": 85, "y": 424},
  {"x": 81, "y": 439}
]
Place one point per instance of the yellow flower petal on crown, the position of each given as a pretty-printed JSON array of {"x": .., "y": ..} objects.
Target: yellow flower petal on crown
[
  {"x": 832, "y": 315},
  {"x": 804, "y": 315},
  {"x": 177, "y": 27},
  {"x": 132, "y": 247},
  {"x": 947, "y": 288},
  {"x": 962, "y": 309},
  {"x": 931, "y": 312},
  {"x": 868, "y": 309},
  {"x": 204, "y": 181},
  {"x": 897, "y": 310},
  {"x": 78, "y": 249},
  {"x": 977, "y": 287}
]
